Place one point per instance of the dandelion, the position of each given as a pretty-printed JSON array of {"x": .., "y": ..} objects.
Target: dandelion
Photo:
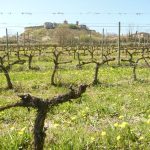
[
  {"x": 123, "y": 125},
  {"x": 118, "y": 137},
  {"x": 64, "y": 110},
  {"x": 92, "y": 139},
  {"x": 73, "y": 118},
  {"x": 121, "y": 117},
  {"x": 141, "y": 138},
  {"x": 103, "y": 133},
  {"x": 116, "y": 124},
  {"x": 68, "y": 122},
  {"x": 56, "y": 125},
  {"x": 119, "y": 95},
  {"x": 148, "y": 121},
  {"x": 82, "y": 112},
  {"x": 1, "y": 113},
  {"x": 86, "y": 108},
  {"x": 21, "y": 131},
  {"x": 12, "y": 128}
]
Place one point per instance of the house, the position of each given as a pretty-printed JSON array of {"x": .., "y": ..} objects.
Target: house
[
  {"x": 65, "y": 22},
  {"x": 48, "y": 25},
  {"x": 141, "y": 35},
  {"x": 82, "y": 26},
  {"x": 77, "y": 23}
]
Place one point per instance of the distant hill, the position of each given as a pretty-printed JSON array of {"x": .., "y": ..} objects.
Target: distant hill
[{"x": 56, "y": 33}]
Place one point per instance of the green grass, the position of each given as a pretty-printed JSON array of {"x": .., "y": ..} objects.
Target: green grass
[{"x": 113, "y": 115}]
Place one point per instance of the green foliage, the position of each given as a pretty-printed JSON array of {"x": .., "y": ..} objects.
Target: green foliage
[
  {"x": 73, "y": 26},
  {"x": 15, "y": 139},
  {"x": 113, "y": 115}
]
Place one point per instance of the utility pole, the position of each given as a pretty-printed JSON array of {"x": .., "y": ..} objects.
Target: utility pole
[{"x": 119, "y": 52}]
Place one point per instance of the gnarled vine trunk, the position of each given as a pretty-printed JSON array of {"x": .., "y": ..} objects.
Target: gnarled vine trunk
[{"x": 6, "y": 73}]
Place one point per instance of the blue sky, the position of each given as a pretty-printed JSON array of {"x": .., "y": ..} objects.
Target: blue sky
[{"x": 82, "y": 10}]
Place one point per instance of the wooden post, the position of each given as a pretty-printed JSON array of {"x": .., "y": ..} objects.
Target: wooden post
[
  {"x": 24, "y": 43},
  {"x": 147, "y": 40},
  {"x": 90, "y": 37},
  {"x": 144, "y": 41},
  {"x": 119, "y": 53},
  {"x": 24, "y": 39},
  {"x": 29, "y": 38},
  {"x": 7, "y": 50},
  {"x": 139, "y": 40},
  {"x": 17, "y": 38},
  {"x": 103, "y": 36}
]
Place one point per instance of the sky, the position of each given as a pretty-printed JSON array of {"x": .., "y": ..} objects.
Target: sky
[{"x": 96, "y": 14}]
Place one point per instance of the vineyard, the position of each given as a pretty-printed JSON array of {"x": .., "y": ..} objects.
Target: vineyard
[{"x": 79, "y": 96}]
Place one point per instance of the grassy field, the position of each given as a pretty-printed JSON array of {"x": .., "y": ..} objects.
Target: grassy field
[{"x": 111, "y": 115}]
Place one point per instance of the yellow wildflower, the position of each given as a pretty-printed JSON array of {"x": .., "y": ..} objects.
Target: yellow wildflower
[
  {"x": 116, "y": 124},
  {"x": 73, "y": 118},
  {"x": 118, "y": 137},
  {"x": 21, "y": 131},
  {"x": 86, "y": 108},
  {"x": 123, "y": 125},
  {"x": 12, "y": 128},
  {"x": 56, "y": 125},
  {"x": 141, "y": 138},
  {"x": 83, "y": 112},
  {"x": 121, "y": 117},
  {"x": 148, "y": 121},
  {"x": 68, "y": 122},
  {"x": 1, "y": 113},
  {"x": 92, "y": 139},
  {"x": 103, "y": 133}
]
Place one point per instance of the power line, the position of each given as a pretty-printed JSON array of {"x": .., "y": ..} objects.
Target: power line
[
  {"x": 113, "y": 24},
  {"x": 76, "y": 13},
  {"x": 108, "y": 26},
  {"x": 121, "y": 26}
]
